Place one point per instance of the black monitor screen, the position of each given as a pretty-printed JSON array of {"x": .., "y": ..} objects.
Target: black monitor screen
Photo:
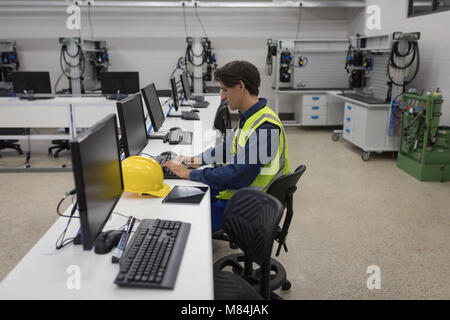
[
  {"x": 25, "y": 82},
  {"x": 173, "y": 85},
  {"x": 132, "y": 125},
  {"x": 119, "y": 82},
  {"x": 154, "y": 108},
  {"x": 185, "y": 84},
  {"x": 98, "y": 176}
]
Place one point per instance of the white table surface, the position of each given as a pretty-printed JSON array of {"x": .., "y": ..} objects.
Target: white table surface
[{"x": 45, "y": 273}]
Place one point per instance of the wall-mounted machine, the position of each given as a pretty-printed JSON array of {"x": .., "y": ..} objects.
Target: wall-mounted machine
[
  {"x": 199, "y": 63},
  {"x": 82, "y": 62},
  {"x": 307, "y": 64},
  {"x": 9, "y": 63},
  {"x": 378, "y": 66},
  {"x": 97, "y": 61},
  {"x": 379, "y": 69},
  {"x": 73, "y": 64}
]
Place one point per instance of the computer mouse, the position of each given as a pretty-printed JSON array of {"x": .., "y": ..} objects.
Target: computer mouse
[
  {"x": 106, "y": 241},
  {"x": 195, "y": 110}
]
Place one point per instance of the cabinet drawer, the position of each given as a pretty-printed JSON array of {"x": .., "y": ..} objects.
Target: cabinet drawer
[
  {"x": 314, "y": 110},
  {"x": 348, "y": 121},
  {"x": 349, "y": 109},
  {"x": 348, "y": 134},
  {"x": 314, "y": 100},
  {"x": 314, "y": 120}
]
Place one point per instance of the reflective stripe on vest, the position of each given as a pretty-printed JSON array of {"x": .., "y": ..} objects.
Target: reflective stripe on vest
[{"x": 280, "y": 163}]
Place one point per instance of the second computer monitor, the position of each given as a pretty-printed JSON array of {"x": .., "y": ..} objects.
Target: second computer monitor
[
  {"x": 31, "y": 82},
  {"x": 119, "y": 82},
  {"x": 98, "y": 176},
  {"x": 173, "y": 85},
  {"x": 132, "y": 125},
  {"x": 185, "y": 85},
  {"x": 153, "y": 106}
]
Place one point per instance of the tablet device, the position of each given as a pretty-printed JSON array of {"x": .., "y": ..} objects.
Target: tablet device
[{"x": 186, "y": 194}]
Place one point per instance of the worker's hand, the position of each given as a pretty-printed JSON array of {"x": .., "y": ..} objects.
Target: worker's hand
[
  {"x": 178, "y": 168},
  {"x": 188, "y": 161}
]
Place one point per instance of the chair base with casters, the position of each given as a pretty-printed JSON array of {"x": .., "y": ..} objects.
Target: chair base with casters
[
  {"x": 11, "y": 144},
  {"x": 282, "y": 189},
  {"x": 278, "y": 277},
  {"x": 59, "y": 145}
]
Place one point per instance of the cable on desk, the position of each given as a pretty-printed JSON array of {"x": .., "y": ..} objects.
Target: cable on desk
[
  {"x": 122, "y": 215},
  {"x": 64, "y": 242},
  {"x": 66, "y": 195}
]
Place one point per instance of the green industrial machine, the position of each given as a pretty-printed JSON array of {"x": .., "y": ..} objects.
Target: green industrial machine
[{"x": 424, "y": 147}]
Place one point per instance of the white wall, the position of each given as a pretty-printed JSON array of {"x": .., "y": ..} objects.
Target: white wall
[
  {"x": 151, "y": 40},
  {"x": 434, "y": 45}
]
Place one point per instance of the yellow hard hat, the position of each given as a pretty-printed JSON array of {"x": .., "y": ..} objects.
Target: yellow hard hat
[{"x": 144, "y": 175}]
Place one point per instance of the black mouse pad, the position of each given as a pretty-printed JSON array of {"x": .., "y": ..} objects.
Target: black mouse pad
[{"x": 186, "y": 194}]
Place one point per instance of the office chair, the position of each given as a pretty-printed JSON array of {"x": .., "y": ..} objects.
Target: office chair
[
  {"x": 283, "y": 189},
  {"x": 250, "y": 220},
  {"x": 59, "y": 145},
  {"x": 222, "y": 121},
  {"x": 12, "y": 144}
]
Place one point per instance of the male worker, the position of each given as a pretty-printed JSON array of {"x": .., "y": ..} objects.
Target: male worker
[{"x": 258, "y": 147}]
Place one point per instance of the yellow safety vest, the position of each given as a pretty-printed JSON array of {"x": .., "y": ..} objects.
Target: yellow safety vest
[{"x": 279, "y": 165}]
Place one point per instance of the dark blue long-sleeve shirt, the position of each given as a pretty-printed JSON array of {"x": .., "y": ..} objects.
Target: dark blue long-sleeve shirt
[{"x": 238, "y": 173}]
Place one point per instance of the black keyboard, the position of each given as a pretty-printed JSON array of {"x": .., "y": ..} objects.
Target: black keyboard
[
  {"x": 178, "y": 137},
  {"x": 153, "y": 257},
  {"x": 161, "y": 159},
  {"x": 202, "y": 104},
  {"x": 189, "y": 115},
  {"x": 37, "y": 98}
]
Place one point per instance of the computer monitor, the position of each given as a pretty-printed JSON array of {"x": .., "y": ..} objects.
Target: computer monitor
[
  {"x": 185, "y": 85},
  {"x": 98, "y": 176},
  {"x": 173, "y": 85},
  {"x": 26, "y": 82},
  {"x": 119, "y": 82},
  {"x": 132, "y": 125},
  {"x": 153, "y": 106}
]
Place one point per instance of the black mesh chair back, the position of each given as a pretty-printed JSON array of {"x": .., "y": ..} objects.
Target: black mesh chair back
[
  {"x": 222, "y": 121},
  {"x": 250, "y": 220},
  {"x": 283, "y": 189}
]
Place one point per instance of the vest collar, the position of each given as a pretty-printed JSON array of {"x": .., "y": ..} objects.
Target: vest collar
[{"x": 253, "y": 109}]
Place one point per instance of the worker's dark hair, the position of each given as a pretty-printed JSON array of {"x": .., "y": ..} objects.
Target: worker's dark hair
[{"x": 233, "y": 72}]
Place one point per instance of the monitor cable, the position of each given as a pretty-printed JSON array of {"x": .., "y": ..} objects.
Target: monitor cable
[
  {"x": 62, "y": 242},
  {"x": 66, "y": 195}
]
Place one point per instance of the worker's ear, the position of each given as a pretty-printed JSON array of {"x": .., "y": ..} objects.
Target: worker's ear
[{"x": 242, "y": 86}]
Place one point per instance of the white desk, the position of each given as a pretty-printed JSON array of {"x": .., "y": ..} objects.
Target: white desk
[
  {"x": 53, "y": 113},
  {"x": 45, "y": 273}
]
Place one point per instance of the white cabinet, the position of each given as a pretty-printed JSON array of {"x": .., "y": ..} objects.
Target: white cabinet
[
  {"x": 367, "y": 127},
  {"x": 316, "y": 108}
]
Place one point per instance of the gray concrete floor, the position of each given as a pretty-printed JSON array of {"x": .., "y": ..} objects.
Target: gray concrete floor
[{"x": 349, "y": 215}]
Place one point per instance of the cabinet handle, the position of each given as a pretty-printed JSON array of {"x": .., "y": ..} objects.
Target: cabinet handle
[
  {"x": 316, "y": 98},
  {"x": 315, "y": 108},
  {"x": 348, "y": 118},
  {"x": 314, "y": 117},
  {"x": 347, "y": 130}
]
